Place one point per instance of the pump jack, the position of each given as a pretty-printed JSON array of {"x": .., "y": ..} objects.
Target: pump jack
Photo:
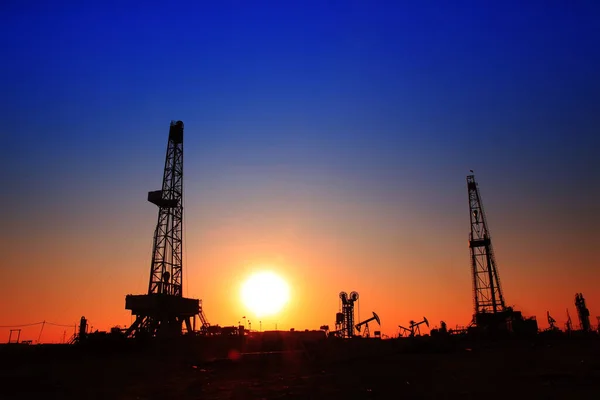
[
  {"x": 375, "y": 317},
  {"x": 404, "y": 332},
  {"x": 413, "y": 328}
]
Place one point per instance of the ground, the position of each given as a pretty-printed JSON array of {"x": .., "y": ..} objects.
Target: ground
[{"x": 541, "y": 369}]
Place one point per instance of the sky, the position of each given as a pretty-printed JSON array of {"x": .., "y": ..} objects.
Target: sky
[{"x": 327, "y": 141}]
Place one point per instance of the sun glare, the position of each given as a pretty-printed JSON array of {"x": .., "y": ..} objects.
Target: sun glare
[{"x": 265, "y": 293}]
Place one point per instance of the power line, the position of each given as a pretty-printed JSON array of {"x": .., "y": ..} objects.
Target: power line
[
  {"x": 67, "y": 326},
  {"x": 41, "y": 330},
  {"x": 36, "y": 323},
  {"x": 20, "y": 326}
]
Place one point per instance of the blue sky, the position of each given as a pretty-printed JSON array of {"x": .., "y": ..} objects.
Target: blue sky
[{"x": 318, "y": 80}]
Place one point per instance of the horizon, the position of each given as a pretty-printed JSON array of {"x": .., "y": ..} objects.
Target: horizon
[{"x": 329, "y": 143}]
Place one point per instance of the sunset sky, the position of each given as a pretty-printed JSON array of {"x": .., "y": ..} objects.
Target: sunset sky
[{"x": 328, "y": 141}]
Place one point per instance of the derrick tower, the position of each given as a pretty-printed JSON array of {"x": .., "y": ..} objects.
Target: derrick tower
[
  {"x": 163, "y": 310},
  {"x": 492, "y": 316},
  {"x": 582, "y": 312},
  {"x": 487, "y": 292},
  {"x": 345, "y": 318},
  {"x": 166, "y": 270}
]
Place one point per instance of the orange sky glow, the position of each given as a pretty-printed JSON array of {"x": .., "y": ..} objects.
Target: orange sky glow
[{"x": 405, "y": 260}]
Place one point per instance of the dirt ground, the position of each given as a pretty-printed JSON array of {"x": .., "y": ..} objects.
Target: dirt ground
[{"x": 545, "y": 370}]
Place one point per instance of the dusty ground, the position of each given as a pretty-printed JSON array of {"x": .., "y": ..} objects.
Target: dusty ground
[{"x": 558, "y": 369}]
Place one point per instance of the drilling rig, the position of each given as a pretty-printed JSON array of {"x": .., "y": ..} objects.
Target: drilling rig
[
  {"x": 491, "y": 313},
  {"x": 582, "y": 312},
  {"x": 163, "y": 311},
  {"x": 344, "y": 320}
]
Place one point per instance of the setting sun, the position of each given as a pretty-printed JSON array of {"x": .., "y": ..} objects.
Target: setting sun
[{"x": 265, "y": 293}]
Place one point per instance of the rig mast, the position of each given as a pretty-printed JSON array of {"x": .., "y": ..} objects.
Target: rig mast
[
  {"x": 164, "y": 309},
  {"x": 488, "y": 296},
  {"x": 491, "y": 316},
  {"x": 583, "y": 313},
  {"x": 345, "y": 318},
  {"x": 166, "y": 270}
]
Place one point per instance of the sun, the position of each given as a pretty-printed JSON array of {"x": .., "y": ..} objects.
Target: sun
[{"x": 265, "y": 293}]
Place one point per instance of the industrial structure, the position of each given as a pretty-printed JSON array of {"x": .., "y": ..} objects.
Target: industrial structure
[
  {"x": 551, "y": 322},
  {"x": 491, "y": 313},
  {"x": 414, "y": 328},
  {"x": 443, "y": 328},
  {"x": 365, "y": 323},
  {"x": 583, "y": 313},
  {"x": 569, "y": 323},
  {"x": 163, "y": 310},
  {"x": 344, "y": 319}
]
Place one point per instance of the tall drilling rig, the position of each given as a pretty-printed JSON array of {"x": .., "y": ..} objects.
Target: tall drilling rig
[
  {"x": 491, "y": 312},
  {"x": 582, "y": 312},
  {"x": 488, "y": 296},
  {"x": 163, "y": 310}
]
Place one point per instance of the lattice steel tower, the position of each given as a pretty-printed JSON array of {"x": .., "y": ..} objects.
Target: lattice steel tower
[
  {"x": 345, "y": 318},
  {"x": 583, "y": 313},
  {"x": 487, "y": 294},
  {"x": 166, "y": 271},
  {"x": 164, "y": 309}
]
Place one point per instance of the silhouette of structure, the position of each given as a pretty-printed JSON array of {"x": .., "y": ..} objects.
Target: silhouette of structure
[
  {"x": 414, "y": 329},
  {"x": 344, "y": 320},
  {"x": 583, "y": 313},
  {"x": 568, "y": 324},
  {"x": 81, "y": 333},
  {"x": 551, "y": 322},
  {"x": 443, "y": 327},
  {"x": 367, "y": 333},
  {"x": 441, "y": 331},
  {"x": 491, "y": 313},
  {"x": 83, "y": 328},
  {"x": 163, "y": 310},
  {"x": 403, "y": 331},
  {"x": 488, "y": 296},
  {"x": 10, "y": 335}
]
